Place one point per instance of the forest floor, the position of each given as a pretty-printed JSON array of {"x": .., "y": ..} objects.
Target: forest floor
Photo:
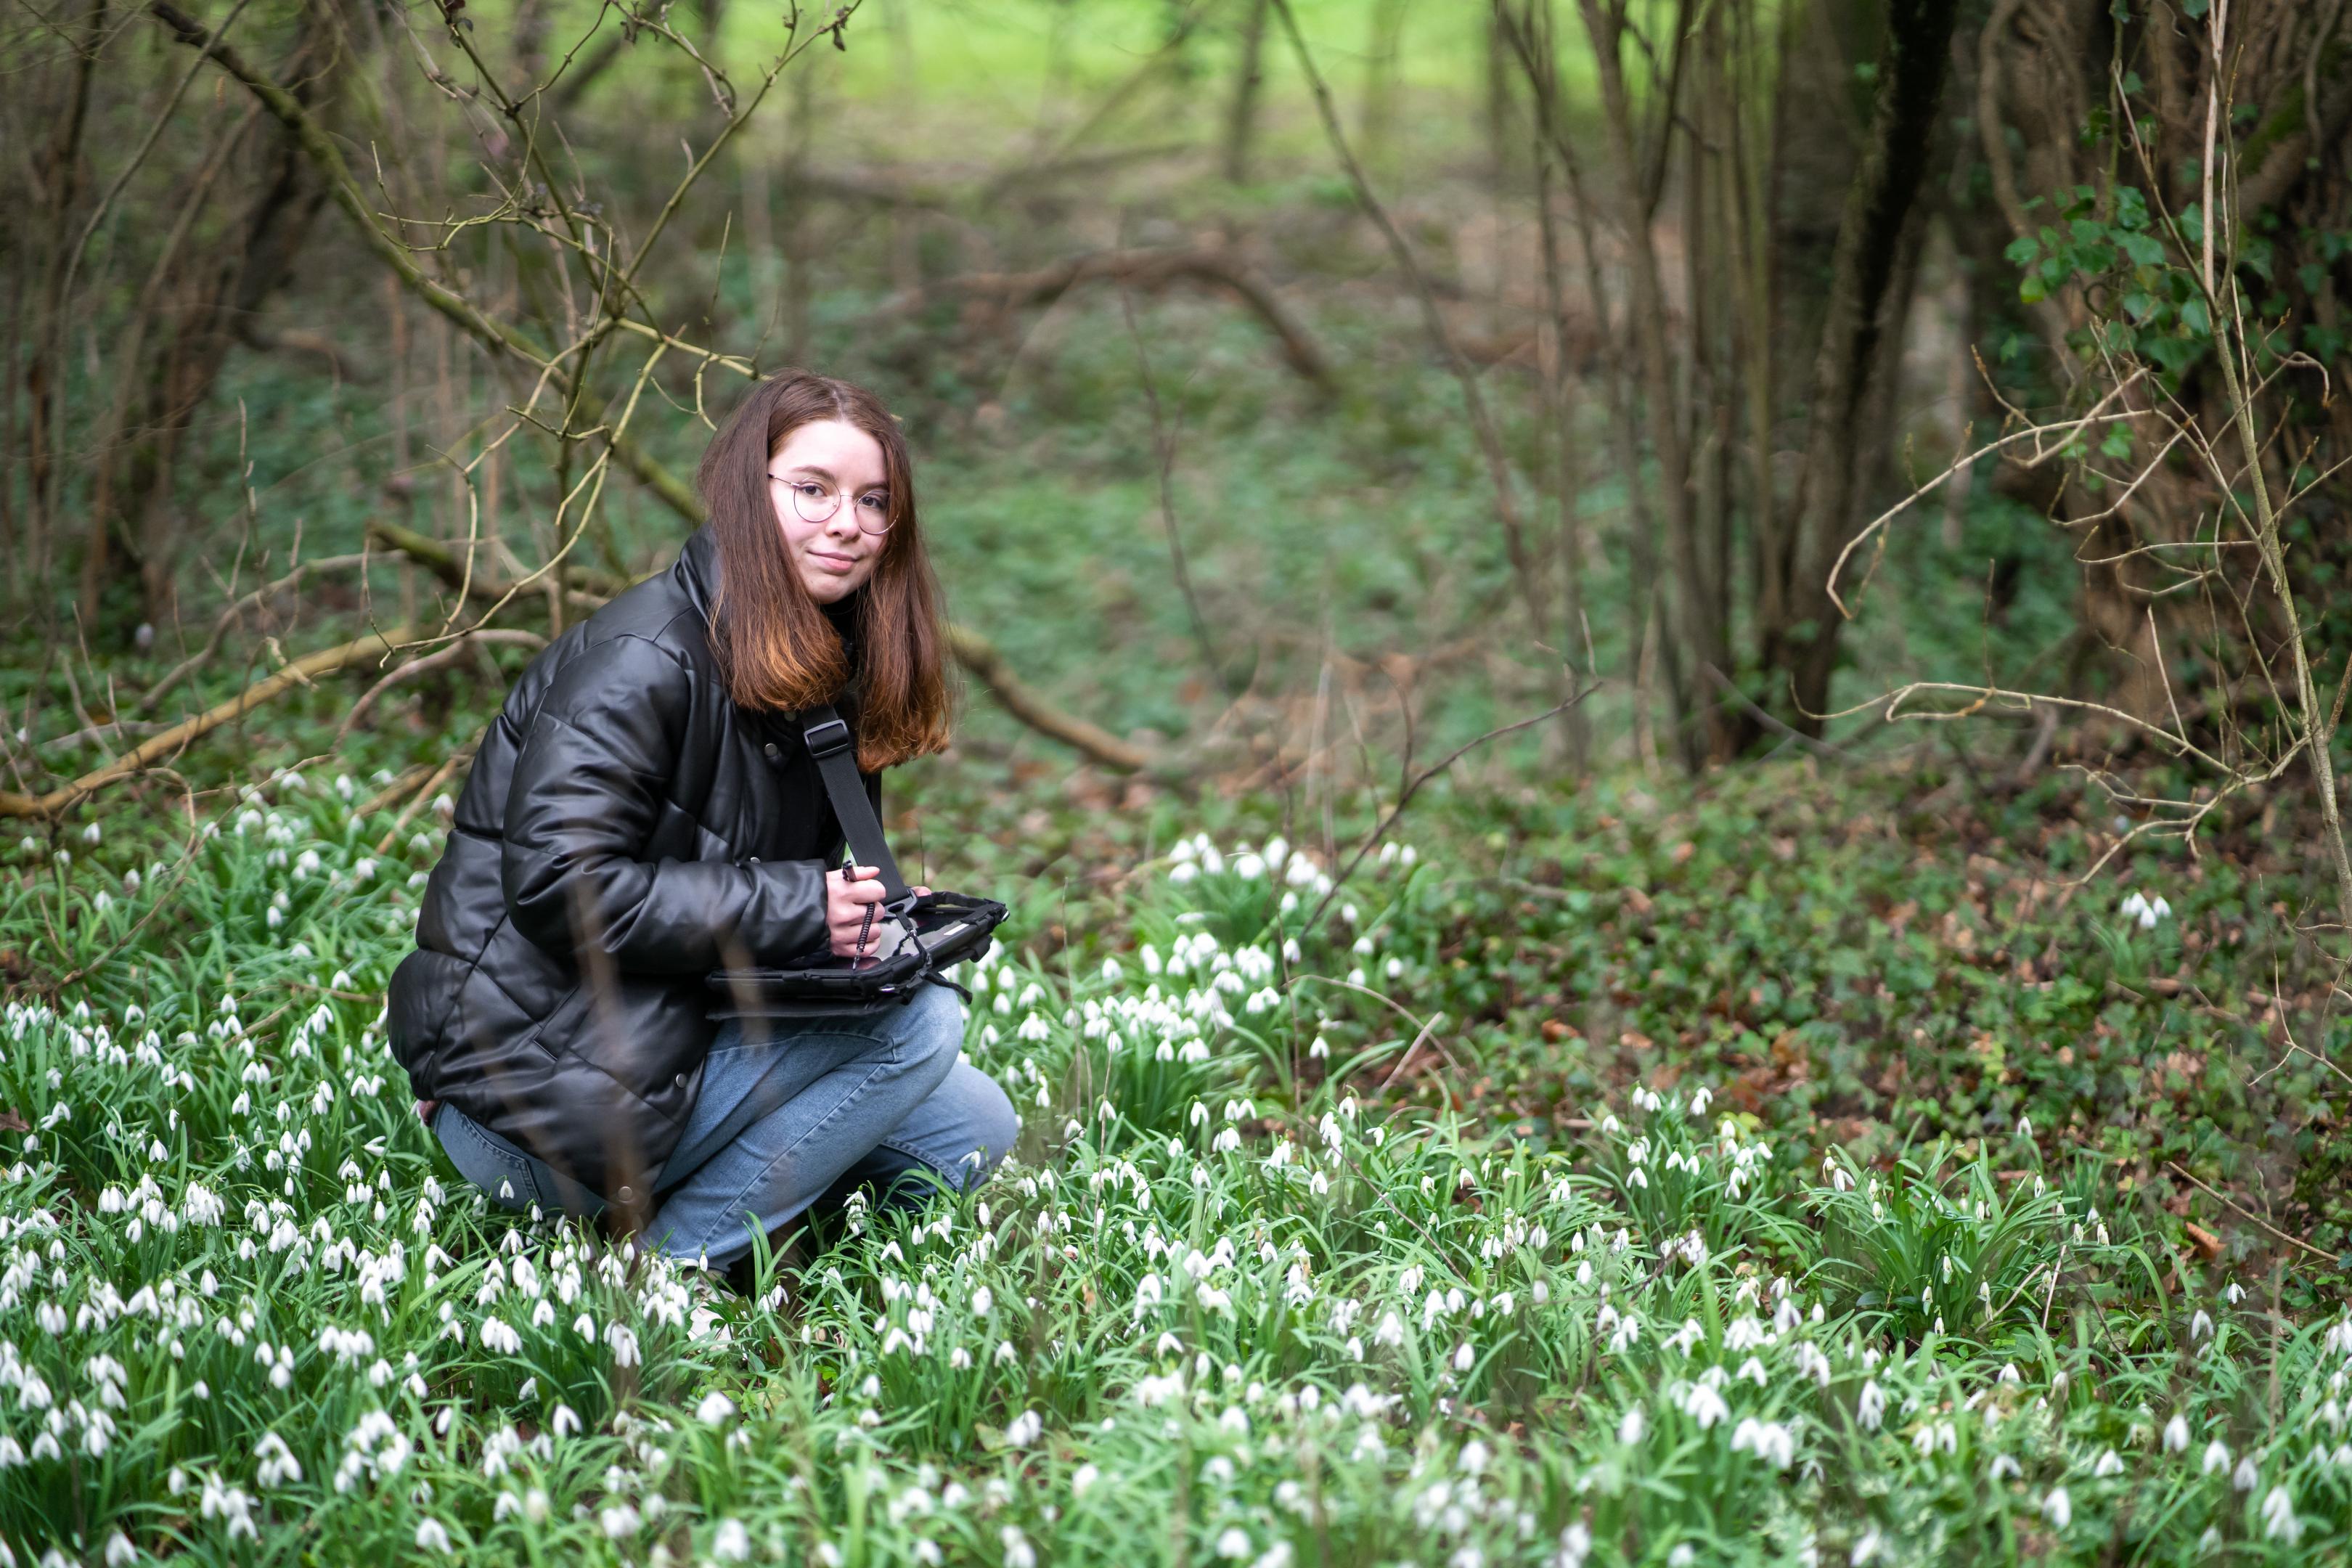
[{"x": 1787, "y": 1167}]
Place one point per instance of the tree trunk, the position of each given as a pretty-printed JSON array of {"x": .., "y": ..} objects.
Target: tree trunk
[{"x": 1870, "y": 287}]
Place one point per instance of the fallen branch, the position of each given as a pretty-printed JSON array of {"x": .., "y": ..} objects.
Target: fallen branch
[
  {"x": 1142, "y": 268},
  {"x": 439, "y": 659},
  {"x": 297, "y": 672}
]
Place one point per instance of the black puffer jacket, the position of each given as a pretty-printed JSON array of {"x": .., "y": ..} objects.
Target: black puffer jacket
[{"x": 626, "y": 829}]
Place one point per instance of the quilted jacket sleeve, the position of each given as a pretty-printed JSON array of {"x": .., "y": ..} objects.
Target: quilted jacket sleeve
[{"x": 587, "y": 792}]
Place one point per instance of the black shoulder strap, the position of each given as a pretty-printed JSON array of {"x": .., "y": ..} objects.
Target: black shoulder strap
[{"x": 828, "y": 742}]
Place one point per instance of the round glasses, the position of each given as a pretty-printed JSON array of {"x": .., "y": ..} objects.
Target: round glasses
[{"x": 817, "y": 503}]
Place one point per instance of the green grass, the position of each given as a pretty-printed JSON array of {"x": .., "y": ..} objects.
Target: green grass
[{"x": 1546, "y": 1300}]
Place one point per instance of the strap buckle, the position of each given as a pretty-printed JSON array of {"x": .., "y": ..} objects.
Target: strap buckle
[{"x": 826, "y": 737}]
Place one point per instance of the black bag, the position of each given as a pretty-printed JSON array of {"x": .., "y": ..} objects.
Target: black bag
[{"x": 938, "y": 929}]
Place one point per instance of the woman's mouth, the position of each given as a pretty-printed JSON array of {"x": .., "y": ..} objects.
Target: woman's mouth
[{"x": 832, "y": 562}]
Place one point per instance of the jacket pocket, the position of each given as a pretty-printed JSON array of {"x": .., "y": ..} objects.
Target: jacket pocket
[{"x": 548, "y": 1034}]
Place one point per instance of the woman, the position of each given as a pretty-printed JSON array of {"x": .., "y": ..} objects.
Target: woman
[{"x": 643, "y": 812}]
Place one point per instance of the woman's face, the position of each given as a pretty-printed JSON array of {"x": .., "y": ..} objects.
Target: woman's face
[{"x": 822, "y": 460}]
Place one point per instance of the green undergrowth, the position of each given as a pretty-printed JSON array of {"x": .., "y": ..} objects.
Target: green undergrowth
[{"x": 1591, "y": 1179}]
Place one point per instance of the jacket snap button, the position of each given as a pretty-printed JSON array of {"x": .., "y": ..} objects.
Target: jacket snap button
[
  {"x": 681, "y": 1081},
  {"x": 772, "y": 750},
  {"x": 626, "y": 1194}
]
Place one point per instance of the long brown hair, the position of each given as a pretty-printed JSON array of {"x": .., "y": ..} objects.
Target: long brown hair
[{"x": 774, "y": 647}]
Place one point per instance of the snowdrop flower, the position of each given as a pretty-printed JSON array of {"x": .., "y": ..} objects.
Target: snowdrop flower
[
  {"x": 432, "y": 1536},
  {"x": 1705, "y": 1405},
  {"x": 2245, "y": 1477},
  {"x": 1018, "y": 1553},
  {"x": 1870, "y": 1408},
  {"x": 2176, "y": 1435},
  {"x": 1634, "y": 1424},
  {"x": 2201, "y": 1326},
  {"x": 1024, "y": 1428},
  {"x": 2217, "y": 1455},
  {"x": 1866, "y": 1548},
  {"x": 2003, "y": 1467},
  {"x": 2058, "y": 1508},
  {"x": 2110, "y": 1464},
  {"x": 715, "y": 1408},
  {"x": 1769, "y": 1440},
  {"x": 2279, "y": 1522}
]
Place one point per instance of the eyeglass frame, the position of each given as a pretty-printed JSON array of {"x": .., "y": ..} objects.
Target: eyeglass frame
[{"x": 838, "y": 497}]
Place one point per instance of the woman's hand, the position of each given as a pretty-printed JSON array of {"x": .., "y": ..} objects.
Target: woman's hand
[
  {"x": 425, "y": 1110},
  {"x": 847, "y": 896}
]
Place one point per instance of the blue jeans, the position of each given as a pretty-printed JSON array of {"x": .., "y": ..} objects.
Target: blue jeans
[{"x": 781, "y": 1125}]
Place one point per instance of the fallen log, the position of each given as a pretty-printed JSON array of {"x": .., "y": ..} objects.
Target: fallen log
[{"x": 170, "y": 743}]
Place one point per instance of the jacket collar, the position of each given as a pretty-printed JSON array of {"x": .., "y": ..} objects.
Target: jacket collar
[{"x": 698, "y": 568}]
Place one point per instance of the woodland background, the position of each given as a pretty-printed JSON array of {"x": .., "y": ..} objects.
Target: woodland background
[{"x": 1803, "y": 508}]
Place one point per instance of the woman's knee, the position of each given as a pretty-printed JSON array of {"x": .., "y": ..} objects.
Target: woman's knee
[{"x": 932, "y": 1030}]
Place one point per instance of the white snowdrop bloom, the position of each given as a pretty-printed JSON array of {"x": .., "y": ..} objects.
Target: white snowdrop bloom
[
  {"x": 119, "y": 1551},
  {"x": 432, "y": 1535},
  {"x": 2058, "y": 1508},
  {"x": 2233, "y": 1292},
  {"x": 1705, "y": 1405},
  {"x": 730, "y": 1543},
  {"x": 2201, "y": 1326},
  {"x": 619, "y": 1522},
  {"x": 2279, "y": 1522},
  {"x": 277, "y": 1462},
  {"x": 564, "y": 1421},
  {"x": 1024, "y": 1429},
  {"x": 2245, "y": 1477},
  {"x": 1463, "y": 1357},
  {"x": 1769, "y": 1441},
  {"x": 715, "y": 1408},
  {"x": 2176, "y": 1435},
  {"x": 2217, "y": 1455},
  {"x": 1235, "y": 1543},
  {"x": 2004, "y": 1467},
  {"x": 1632, "y": 1425},
  {"x": 1866, "y": 1548},
  {"x": 2110, "y": 1464}
]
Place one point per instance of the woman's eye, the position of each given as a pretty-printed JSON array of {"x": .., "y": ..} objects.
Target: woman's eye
[{"x": 875, "y": 503}]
